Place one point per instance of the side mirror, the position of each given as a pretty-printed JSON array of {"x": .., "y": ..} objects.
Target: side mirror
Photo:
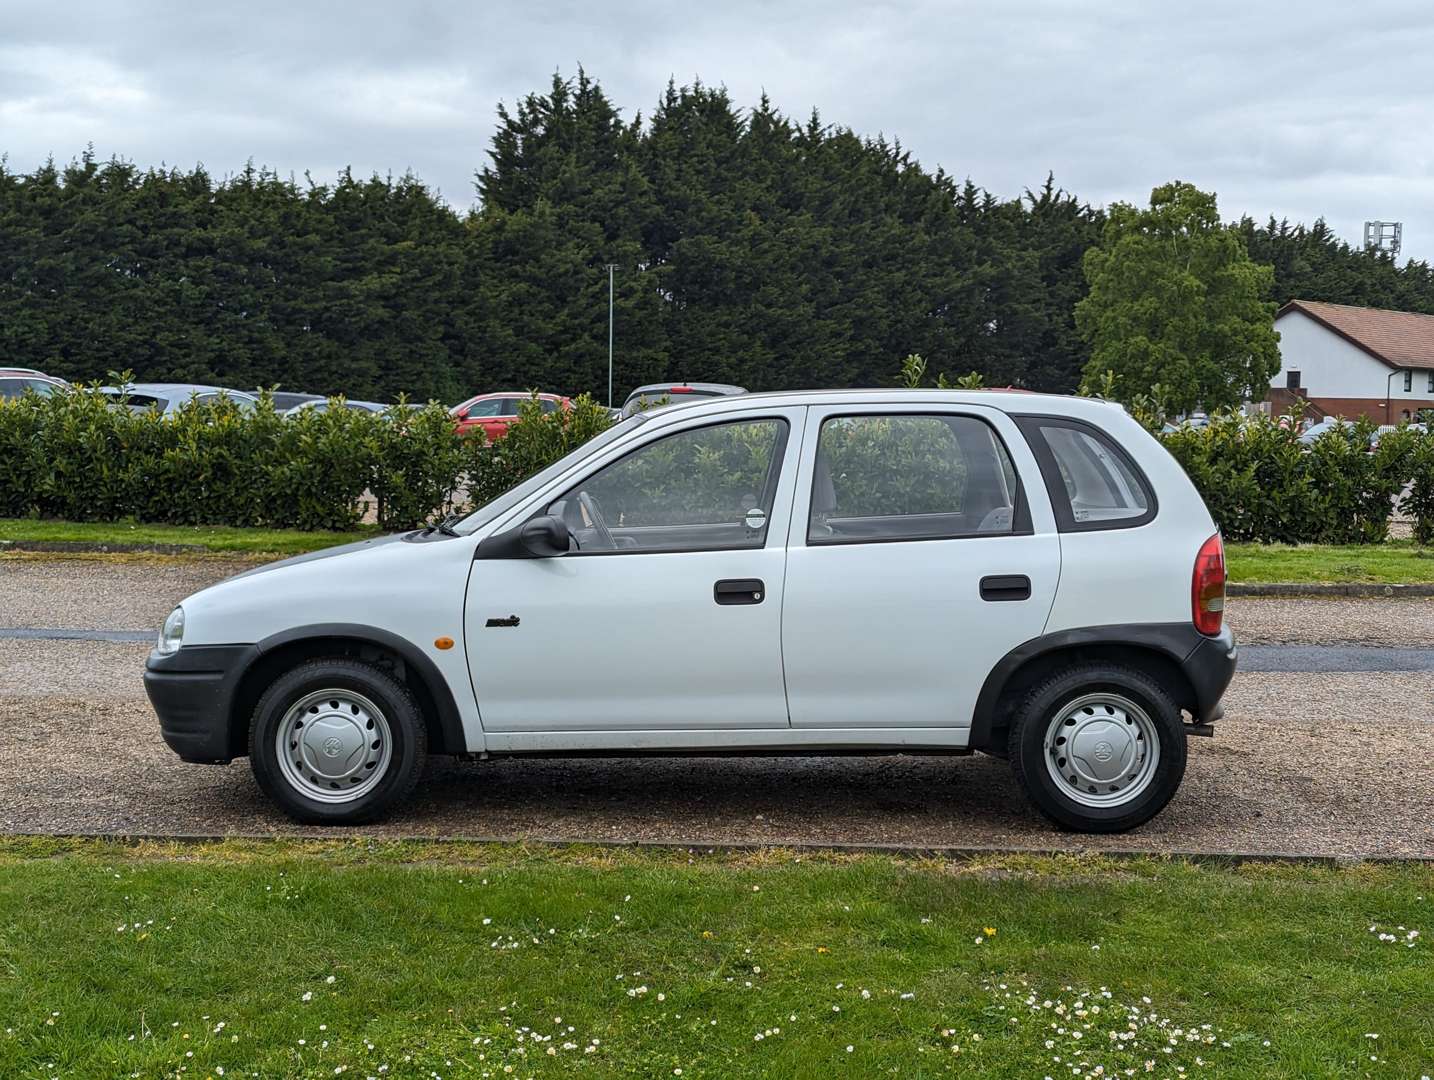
[{"x": 537, "y": 538}]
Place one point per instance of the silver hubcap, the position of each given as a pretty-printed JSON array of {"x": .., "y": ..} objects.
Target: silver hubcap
[
  {"x": 333, "y": 746},
  {"x": 1102, "y": 750}
]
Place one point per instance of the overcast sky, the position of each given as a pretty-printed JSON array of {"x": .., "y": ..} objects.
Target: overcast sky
[{"x": 1324, "y": 107}]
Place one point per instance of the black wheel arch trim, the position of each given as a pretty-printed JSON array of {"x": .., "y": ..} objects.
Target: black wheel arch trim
[
  {"x": 1207, "y": 662},
  {"x": 450, "y": 724}
]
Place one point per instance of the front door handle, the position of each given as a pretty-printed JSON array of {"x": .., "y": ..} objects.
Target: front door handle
[
  {"x": 739, "y": 591},
  {"x": 998, "y": 587}
]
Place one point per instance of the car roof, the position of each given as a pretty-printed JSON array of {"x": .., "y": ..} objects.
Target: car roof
[
  {"x": 1010, "y": 400},
  {"x": 511, "y": 393},
  {"x": 160, "y": 389},
  {"x": 27, "y": 373},
  {"x": 713, "y": 387}
]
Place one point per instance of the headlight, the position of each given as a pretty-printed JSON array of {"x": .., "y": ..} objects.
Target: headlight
[{"x": 172, "y": 635}]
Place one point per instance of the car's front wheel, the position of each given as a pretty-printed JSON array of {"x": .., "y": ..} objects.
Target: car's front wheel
[
  {"x": 1099, "y": 748},
  {"x": 337, "y": 742}
]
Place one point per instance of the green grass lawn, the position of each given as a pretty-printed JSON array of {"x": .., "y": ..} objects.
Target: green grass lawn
[
  {"x": 1393, "y": 562},
  {"x": 220, "y": 538},
  {"x": 413, "y": 960}
]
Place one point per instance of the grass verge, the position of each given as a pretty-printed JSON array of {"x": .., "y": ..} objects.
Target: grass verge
[
  {"x": 1394, "y": 562},
  {"x": 294, "y": 959},
  {"x": 219, "y": 538}
]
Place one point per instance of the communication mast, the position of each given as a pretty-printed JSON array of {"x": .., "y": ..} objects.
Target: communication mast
[{"x": 1383, "y": 236}]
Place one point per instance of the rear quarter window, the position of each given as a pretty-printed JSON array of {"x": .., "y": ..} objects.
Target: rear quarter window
[{"x": 1092, "y": 481}]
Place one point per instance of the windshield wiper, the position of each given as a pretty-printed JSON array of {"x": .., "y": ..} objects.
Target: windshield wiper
[{"x": 446, "y": 525}]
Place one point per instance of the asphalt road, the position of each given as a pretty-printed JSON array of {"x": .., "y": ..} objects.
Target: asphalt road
[{"x": 1322, "y": 762}]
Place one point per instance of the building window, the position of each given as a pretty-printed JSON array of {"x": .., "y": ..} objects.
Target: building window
[
  {"x": 1292, "y": 380},
  {"x": 1431, "y": 382},
  {"x": 1408, "y": 381}
]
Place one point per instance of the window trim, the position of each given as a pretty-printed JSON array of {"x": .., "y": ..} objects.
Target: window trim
[
  {"x": 1030, "y": 425},
  {"x": 773, "y": 482},
  {"x": 1408, "y": 380},
  {"x": 1020, "y": 510}
]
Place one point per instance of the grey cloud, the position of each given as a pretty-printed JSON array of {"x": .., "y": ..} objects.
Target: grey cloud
[{"x": 1300, "y": 111}]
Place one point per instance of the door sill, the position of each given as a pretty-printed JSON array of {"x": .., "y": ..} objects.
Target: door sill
[{"x": 733, "y": 741}]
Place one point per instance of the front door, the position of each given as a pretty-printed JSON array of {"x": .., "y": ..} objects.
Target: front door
[
  {"x": 922, "y": 550},
  {"x": 665, "y": 614}
]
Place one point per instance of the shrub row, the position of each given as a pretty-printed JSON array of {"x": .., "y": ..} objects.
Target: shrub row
[
  {"x": 1262, "y": 484},
  {"x": 76, "y": 456}
]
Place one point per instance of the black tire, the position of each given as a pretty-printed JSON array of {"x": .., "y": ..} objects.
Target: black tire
[
  {"x": 408, "y": 737},
  {"x": 1041, "y": 707}
]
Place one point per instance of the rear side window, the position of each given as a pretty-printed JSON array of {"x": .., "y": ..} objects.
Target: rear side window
[
  {"x": 14, "y": 388},
  {"x": 1092, "y": 482},
  {"x": 910, "y": 477}
]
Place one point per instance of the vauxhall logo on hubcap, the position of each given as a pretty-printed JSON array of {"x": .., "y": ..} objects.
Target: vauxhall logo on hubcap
[
  {"x": 333, "y": 744},
  {"x": 1104, "y": 751}
]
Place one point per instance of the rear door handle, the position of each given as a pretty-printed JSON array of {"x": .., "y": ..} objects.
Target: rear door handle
[
  {"x": 998, "y": 587},
  {"x": 739, "y": 591}
]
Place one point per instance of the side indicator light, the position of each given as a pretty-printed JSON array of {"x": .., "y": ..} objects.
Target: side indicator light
[{"x": 443, "y": 643}]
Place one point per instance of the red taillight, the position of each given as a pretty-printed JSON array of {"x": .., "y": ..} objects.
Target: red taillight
[
  {"x": 1207, "y": 587},
  {"x": 679, "y": 389}
]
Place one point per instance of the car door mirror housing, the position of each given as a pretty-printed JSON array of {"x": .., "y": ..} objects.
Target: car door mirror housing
[{"x": 542, "y": 537}]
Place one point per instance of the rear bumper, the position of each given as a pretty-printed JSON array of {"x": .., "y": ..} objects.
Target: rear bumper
[
  {"x": 1210, "y": 666},
  {"x": 192, "y": 691}
]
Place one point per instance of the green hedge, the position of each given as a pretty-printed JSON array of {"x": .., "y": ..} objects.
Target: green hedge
[
  {"x": 1262, "y": 484},
  {"x": 75, "y": 456}
]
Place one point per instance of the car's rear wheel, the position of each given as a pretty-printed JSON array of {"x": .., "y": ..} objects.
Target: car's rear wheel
[
  {"x": 1099, "y": 748},
  {"x": 337, "y": 742}
]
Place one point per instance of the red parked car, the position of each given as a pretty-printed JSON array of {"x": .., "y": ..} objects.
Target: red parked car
[{"x": 494, "y": 412}]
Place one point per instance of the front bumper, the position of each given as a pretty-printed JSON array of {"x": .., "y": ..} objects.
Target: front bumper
[
  {"x": 192, "y": 691},
  {"x": 1210, "y": 666}
]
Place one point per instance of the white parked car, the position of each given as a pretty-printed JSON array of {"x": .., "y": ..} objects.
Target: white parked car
[{"x": 921, "y": 571}]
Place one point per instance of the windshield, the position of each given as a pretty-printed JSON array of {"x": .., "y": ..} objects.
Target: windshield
[{"x": 514, "y": 495}]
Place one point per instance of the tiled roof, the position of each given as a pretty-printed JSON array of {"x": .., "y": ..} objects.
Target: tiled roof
[{"x": 1401, "y": 339}]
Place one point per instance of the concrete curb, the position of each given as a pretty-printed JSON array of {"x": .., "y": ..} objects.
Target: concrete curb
[
  {"x": 918, "y": 851},
  {"x": 1366, "y": 590}
]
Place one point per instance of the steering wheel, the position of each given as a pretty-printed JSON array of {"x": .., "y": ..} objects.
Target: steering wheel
[{"x": 596, "y": 520}]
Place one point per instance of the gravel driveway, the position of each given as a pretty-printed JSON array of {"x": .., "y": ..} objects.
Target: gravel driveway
[{"x": 1311, "y": 764}]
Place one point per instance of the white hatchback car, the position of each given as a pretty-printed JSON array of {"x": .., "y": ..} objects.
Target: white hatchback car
[{"x": 930, "y": 572}]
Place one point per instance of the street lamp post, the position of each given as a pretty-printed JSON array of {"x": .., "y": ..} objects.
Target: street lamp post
[{"x": 610, "y": 268}]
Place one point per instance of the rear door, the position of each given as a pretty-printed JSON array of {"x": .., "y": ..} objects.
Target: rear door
[{"x": 922, "y": 550}]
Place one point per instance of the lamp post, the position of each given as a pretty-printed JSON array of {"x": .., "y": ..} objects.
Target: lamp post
[{"x": 610, "y": 268}]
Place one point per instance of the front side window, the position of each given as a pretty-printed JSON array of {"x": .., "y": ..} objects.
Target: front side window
[
  {"x": 490, "y": 407},
  {"x": 1094, "y": 484},
  {"x": 909, "y": 477},
  {"x": 702, "y": 489}
]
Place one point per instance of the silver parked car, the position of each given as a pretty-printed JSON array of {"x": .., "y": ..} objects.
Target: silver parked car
[
  {"x": 324, "y": 404},
  {"x": 670, "y": 393},
  {"x": 167, "y": 398},
  {"x": 14, "y": 381}
]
